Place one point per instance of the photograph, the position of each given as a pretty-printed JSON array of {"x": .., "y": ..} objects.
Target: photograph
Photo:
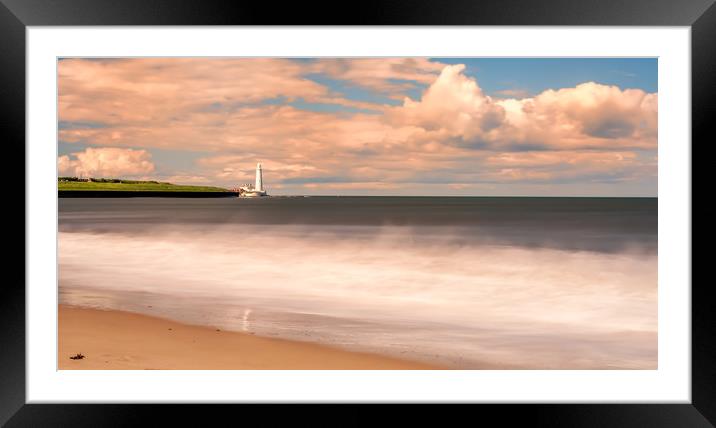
[
  {"x": 357, "y": 213},
  {"x": 232, "y": 205}
]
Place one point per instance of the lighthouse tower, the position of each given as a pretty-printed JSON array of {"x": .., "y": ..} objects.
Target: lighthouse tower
[
  {"x": 259, "y": 178},
  {"x": 257, "y": 190}
]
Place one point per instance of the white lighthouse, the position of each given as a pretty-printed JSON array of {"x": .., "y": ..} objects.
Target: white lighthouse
[
  {"x": 259, "y": 178},
  {"x": 257, "y": 190}
]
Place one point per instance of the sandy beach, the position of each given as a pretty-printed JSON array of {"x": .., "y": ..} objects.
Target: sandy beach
[{"x": 114, "y": 340}]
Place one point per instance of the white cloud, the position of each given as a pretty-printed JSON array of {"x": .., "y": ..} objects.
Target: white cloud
[
  {"x": 106, "y": 162},
  {"x": 453, "y": 103}
]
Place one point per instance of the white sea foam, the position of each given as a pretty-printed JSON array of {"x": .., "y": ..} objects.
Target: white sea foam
[{"x": 391, "y": 290}]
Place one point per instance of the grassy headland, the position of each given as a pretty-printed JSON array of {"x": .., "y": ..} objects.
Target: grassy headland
[{"x": 100, "y": 184}]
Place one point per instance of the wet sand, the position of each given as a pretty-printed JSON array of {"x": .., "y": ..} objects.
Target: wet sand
[{"x": 115, "y": 340}]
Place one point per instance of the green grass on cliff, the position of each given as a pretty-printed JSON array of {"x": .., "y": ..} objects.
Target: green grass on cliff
[{"x": 135, "y": 186}]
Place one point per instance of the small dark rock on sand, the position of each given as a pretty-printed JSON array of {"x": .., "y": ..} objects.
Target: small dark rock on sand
[{"x": 77, "y": 357}]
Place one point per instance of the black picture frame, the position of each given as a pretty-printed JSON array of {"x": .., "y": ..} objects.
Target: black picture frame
[{"x": 16, "y": 15}]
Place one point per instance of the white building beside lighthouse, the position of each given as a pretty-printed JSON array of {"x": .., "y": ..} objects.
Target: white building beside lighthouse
[{"x": 257, "y": 190}]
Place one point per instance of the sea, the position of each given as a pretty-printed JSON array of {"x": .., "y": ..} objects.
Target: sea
[{"x": 463, "y": 282}]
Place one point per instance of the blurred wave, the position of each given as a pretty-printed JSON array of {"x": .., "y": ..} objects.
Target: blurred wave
[{"x": 437, "y": 292}]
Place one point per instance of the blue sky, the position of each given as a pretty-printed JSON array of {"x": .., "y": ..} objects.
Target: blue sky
[{"x": 538, "y": 74}]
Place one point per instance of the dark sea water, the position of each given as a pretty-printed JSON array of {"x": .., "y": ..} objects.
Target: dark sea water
[{"x": 534, "y": 283}]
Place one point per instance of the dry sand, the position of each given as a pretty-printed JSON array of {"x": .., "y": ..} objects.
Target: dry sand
[{"x": 114, "y": 340}]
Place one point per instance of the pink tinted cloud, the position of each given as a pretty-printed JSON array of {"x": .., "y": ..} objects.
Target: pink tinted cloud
[
  {"x": 361, "y": 185},
  {"x": 391, "y": 75},
  {"x": 454, "y": 103},
  {"x": 106, "y": 162},
  {"x": 131, "y": 91},
  {"x": 589, "y": 115},
  {"x": 549, "y": 165},
  {"x": 139, "y": 91},
  {"x": 594, "y": 116}
]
